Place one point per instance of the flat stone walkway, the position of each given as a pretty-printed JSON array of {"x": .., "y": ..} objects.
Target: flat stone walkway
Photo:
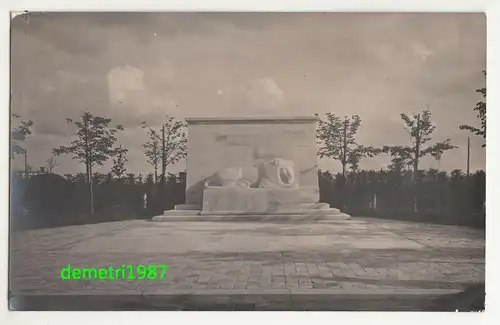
[{"x": 355, "y": 257}]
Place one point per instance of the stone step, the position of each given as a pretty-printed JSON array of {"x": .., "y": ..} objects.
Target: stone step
[
  {"x": 278, "y": 209},
  {"x": 176, "y": 214},
  {"x": 306, "y": 213},
  {"x": 181, "y": 212},
  {"x": 284, "y": 210},
  {"x": 280, "y": 206},
  {"x": 182, "y": 207},
  {"x": 302, "y": 206},
  {"x": 340, "y": 217}
]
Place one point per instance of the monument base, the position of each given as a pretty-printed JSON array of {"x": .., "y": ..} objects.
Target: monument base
[
  {"x": 254, "y": 203},
  {"x": 297, "y": 217},
  {"x": 258, "y": 200}
]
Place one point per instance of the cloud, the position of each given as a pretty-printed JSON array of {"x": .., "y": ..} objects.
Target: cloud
[
  {"x": 132, "y": 101},
  {"x": 422, "y": 51},
  {"x": 265, "y": 95},
  {"x": 254, "y": 97},
  {"x": 142, "y": 66},
  {"x": 122, "y": 81}
]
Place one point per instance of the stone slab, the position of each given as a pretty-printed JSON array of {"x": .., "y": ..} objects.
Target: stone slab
[
  {"x": 187, "y": 207},
  {"x": 224, "y": 217},
  {"x": 334, "y": 213},
  {"x": 181, "y": 213},
  {"x": 252, "y": 300},
  {"x": 256, "y": 200},
  {"x": 284, "y": 208}
]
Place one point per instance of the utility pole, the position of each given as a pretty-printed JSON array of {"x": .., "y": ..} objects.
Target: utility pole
[{"x": 468, "y": 156}]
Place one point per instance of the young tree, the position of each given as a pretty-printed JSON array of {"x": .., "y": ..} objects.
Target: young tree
[
  {"x": 80, "y": 178},
  {"x": 359, "y": 153},
  {"x": 109, "y": 177},
  {"x": 69, "y": 177},
  {"x": 118, "y": 168},
  {"x": 456, "y": 175},
  {"x": 337, "y": 138},
  {"x": 481, "y": 114},
  {"x": 130, "y": 178},
  {"x": 400, "y": 157},
  {"x": 18, "y": 134},
  {"x": 439, "y": 149},
  {"x": 420, "y": 128},
  {"x": 432, "y": 174},
  {"x": 93, "y": 146},
  {"x": 152, "y": 147},
  {"x": 172, "y": 142},
  {"x": 139, "y": 179},
  {"x": 99, "y": 178},
  {"x": 149, "y": 179},
  {"x": 51, "y": 164}
]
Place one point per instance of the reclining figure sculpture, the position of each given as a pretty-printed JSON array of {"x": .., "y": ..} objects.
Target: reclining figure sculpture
[{"x": 274, "y": 173}]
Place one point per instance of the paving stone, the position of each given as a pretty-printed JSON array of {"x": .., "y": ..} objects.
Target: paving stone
[{"x": 209, "y": 255}]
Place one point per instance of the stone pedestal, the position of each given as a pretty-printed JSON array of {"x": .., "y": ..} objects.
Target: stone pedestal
[
  {"x": 256, "y": 200},
  {"x": 216, "y": 144}
]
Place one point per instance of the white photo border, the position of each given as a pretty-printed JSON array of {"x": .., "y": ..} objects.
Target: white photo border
[{"x": 492, "y": 10}]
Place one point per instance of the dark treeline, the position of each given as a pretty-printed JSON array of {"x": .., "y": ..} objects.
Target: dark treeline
[
  {"x": 54, "y": 200},
  {"x": 453, "y": 198},
  {"x": 49, "y": 200},
  {"x": 44, "y": 198}
]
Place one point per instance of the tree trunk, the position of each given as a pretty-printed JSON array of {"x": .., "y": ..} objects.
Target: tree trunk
[
  {"x": 343, "y": 187},
  {"x": 344, "y": 163},
  {"x": 88, "y": 170},
  {"x": 91, "y": 187},
  {"x": 440, "y": 197},
  {"x": 88, "y": 166},
  {"x": 163, "y": 168},
  {"x": 415, "y": 165},
  {"x": 414, "y": 185},
  {"x": 468, "y": 156},
  {"x": 344, "y": 148},
  {"x": 440, "y": 189}
]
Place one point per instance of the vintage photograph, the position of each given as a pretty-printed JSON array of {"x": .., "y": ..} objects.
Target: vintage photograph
[{"x": 247, "y": 161}]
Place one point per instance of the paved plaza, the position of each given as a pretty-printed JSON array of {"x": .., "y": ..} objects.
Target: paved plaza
[{"x": 352, "y": 259}]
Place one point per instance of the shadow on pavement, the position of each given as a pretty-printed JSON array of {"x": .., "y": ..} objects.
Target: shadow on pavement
[{"x": 471, "y": 299}]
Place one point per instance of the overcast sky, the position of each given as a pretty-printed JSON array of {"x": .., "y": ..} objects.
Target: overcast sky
[{"x": 141, "y": 66}]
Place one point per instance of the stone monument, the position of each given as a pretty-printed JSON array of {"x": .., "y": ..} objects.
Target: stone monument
[{"x": 252, "y": 166}]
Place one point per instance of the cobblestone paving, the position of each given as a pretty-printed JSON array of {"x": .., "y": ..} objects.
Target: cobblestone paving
[{"x": 362, "y": 255}]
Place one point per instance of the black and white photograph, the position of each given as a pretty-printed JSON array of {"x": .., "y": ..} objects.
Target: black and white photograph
[{"x": 247, "y": 161}]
